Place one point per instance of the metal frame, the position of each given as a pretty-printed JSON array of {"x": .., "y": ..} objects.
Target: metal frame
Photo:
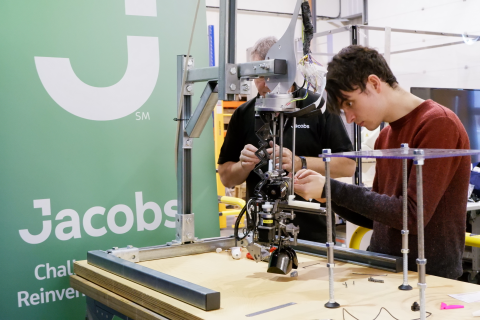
[
  {"x": 418, "y": 162},
  {"x": 229, "y": 76}
]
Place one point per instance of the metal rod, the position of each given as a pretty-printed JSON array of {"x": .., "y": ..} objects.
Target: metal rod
[
  {"x": 421, "y": 261},
  {"x": 365, "y": 12},
  {"x": 431, "y": 33},
  {"x": 428, "y": 47},
  {"x": 366, "y": 27},
  {"x": 223, "y": 49},
  {"x": 333, "y": 31},
  {"x": 313, "y": 10},
  {"x": 268, "y": 12},
  {"x": 357, "y": 257},
  {"x": 357, "y": 130},
  {"x": 405, "y": 232},
  {"x": 294, "y": 134},
  {"x": 274, "y": 136},
  {"x": 280, "y": 152},
  {"x": 330, "y": 245}
]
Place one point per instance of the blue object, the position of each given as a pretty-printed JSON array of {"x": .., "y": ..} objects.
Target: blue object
[{"x": 211, "y": 46}]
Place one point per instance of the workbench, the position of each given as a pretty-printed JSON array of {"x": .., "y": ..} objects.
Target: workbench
[{"x": 247, "y": 288}]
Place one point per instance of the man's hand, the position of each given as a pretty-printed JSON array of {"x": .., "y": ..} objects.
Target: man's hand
[
  {"x": 286, "y": 158},
  {"x": 248, "y": 159},
  {"x": 309, "y": 184}
]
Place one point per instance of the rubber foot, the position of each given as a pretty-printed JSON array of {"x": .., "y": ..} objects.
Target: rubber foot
[
  {"x": 332, "y": 305},
  {"x": 405, "y": 287}
]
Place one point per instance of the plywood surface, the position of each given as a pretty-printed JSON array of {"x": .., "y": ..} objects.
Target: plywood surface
[{"x": 246, "y": 288}]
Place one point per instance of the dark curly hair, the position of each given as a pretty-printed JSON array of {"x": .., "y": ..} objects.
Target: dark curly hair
[{"x": 349, "y": 71}]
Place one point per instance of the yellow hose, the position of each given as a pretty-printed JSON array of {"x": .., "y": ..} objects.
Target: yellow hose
[
  {"x": 472, "y": 241},
  {"x": 230, "y": 212},
  {"x": 233, "y": 201},
  {"x": 357, "y": 237}
]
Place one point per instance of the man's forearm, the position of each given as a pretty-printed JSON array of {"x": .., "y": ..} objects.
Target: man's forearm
[
  {"x": 339, "y": 167},
  {"x": 232, "y": 173}
]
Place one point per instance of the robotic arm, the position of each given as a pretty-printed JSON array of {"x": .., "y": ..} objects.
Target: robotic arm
[{"x": 270, "y": 211}]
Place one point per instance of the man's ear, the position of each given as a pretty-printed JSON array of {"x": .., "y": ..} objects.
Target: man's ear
[{"x": 375, "y": 82}]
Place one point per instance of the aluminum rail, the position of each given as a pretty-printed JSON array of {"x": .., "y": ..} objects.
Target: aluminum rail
[
  {"x": 359, "y": 257},
  {"x": 431, "y": 33},
  {"x": 185, "y": 291},
  {"x": 252, "y": 69},
  {"x": 207, "y": 245}
]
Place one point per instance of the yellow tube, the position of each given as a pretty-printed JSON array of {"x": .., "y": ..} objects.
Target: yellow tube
[
  {"x": 357, "y": 237},
  {"x": 472, "y": 241},
  {"x": 233, "y": 201},
  {"x": 233, "y": 212}
]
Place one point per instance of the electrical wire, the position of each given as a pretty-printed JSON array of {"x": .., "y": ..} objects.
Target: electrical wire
[
  {"x": 250, "y": 223},
  {"x": 382, "y": 308}
]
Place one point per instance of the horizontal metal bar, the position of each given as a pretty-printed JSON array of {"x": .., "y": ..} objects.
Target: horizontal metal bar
[
  {"x": 358, "y": 257},
  {"x": 259, "y": 11},
  {"x": 431, "y": 33},
  {"x": 321, "y": 211},
  {"x": 333, "y": 31},
  {"x": 262, "y": 68},
  {"x": 185, "y": 291},
  {"x": 207, "y": 245},
  {"x": 202, "y": 74},
  {"x": 429, "y": 47}
]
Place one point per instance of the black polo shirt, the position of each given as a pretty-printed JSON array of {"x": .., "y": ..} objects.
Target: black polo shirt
[{"x": 313, "y": 134}]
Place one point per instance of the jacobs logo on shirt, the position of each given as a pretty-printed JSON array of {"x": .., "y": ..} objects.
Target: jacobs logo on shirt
[{"x": 302, "y": 126}]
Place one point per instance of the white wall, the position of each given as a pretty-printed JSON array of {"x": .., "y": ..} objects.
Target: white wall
[{"x": 455, "y": 66}]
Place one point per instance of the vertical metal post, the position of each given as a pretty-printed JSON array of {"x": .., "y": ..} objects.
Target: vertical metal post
[
  {"x": 330, "y": 253},
  {"x": 365, "y": 12},
  {"x": 405, "y": 250},
  {"x": 232, "y": 30},
  {"x": 280, "y": 143},
  {"x": 227, "y": 35},
  {"x": 357, "y": 130},
  {"x": 421, "y": 261},
  {"x": 274, "y": 136},
  {"x": 184, "y": 218},
  {"x": 313, "y": 9},
  {"x": 294, "y": 134}
]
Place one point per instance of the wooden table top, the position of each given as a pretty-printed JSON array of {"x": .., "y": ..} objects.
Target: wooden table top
[{"x": 246, "y": 288}]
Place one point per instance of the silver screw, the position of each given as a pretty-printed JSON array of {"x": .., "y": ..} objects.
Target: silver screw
[
  {"x": 246, "y": 87},
  {"x": 233, "y": 70},
  {"x": 233, "y": 87},
  {"x": 190, "y": 62},
  {"x": 189, "y": 88}
]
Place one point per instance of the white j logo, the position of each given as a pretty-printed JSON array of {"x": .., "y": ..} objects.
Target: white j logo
[{"x": 118, "y": 100}]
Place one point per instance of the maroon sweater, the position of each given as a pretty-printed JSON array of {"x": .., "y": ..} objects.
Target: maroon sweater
[{"x": 445, "y": 185}]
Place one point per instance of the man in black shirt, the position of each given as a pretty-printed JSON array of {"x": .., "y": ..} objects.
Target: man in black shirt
[{"x": 237, "y": 157}]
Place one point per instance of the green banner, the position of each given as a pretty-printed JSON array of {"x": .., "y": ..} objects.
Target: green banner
[{"x": 87, "y": 137}]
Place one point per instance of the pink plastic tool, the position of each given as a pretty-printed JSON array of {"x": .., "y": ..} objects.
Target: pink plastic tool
[{"x": 444, "y": 306}]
